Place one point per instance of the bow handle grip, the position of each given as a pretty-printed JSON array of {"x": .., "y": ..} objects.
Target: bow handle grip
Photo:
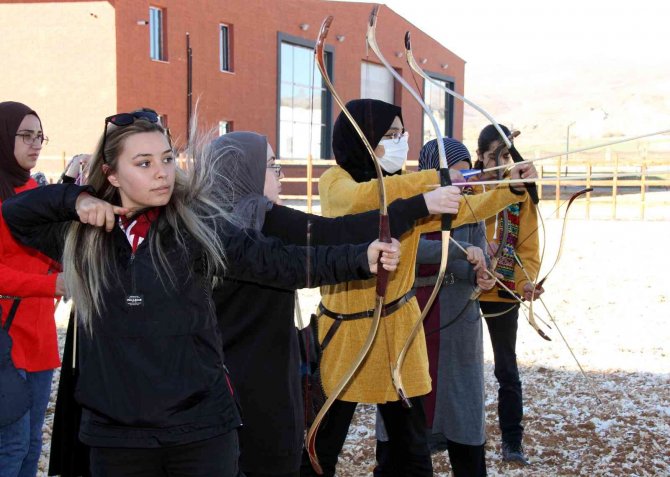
[
  {"x": 445, "y": 180},
  {"x": 531, "y": 187},
  {"x": 382, "y": 273}
]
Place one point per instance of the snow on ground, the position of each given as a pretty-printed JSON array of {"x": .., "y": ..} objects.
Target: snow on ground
[{"x": 609, "y": 295}]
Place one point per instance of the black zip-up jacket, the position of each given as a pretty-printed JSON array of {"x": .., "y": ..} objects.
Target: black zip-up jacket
[{"x": 152, "y": 372}]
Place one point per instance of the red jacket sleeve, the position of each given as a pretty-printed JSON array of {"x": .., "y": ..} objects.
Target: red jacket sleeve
[{"x": 22, "y": 284}]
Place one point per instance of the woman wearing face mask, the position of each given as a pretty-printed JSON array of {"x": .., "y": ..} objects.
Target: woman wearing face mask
[
  {"x": 34, "y": 279},
  {"x": 139, "y": 262},
  {"x": 263, "y": 355},
  {"x": 350, "y": 187}
]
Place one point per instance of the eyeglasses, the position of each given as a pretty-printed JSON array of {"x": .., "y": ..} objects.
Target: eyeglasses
[
  {"x": 277, "y": 169},
  {"x": 126, "y": 119},
  {"x": 396, "y": 136},
  {"x": 30, "y": 139}
]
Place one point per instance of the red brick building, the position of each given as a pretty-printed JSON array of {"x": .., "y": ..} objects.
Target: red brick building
[{"x": 76, "y": 62}]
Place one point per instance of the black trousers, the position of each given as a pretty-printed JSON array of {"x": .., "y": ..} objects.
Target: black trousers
[
  {"x": 409, "y": 453},
  {"x": 258, "y": 474},
  {"x": 465, "y": 460},
  {"x": 216, "y": 457},
  {"x": 502, "y": 330}
]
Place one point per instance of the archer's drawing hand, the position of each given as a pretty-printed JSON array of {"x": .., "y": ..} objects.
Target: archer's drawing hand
[
  {"x": 60, "y": 285},
  {"x": 475, "y": 256},
  {"x": 523, "y": 171},
  {"x": 97, "y": 212},
  {"x": 484, "y": 280},
  {"x": 390, "y": 255},
  {"x": 530, "y": 292},
  {"x": 443, "y": 200},
  {"x": 493, "y": 247},
  {"x": 456, "y": 175}
]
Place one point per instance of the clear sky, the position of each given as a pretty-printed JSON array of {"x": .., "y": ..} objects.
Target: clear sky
[{"x": 598, "y": 54}]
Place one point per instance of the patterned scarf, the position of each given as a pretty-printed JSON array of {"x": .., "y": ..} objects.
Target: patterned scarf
[{"x": 506, "y": 261}]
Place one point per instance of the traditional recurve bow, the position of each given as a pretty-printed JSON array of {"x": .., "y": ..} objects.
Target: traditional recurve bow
[
  {"x": 445, "y": 180},
  {"x": 382, "y": 274},
  {"x": 507, "y": 142}
]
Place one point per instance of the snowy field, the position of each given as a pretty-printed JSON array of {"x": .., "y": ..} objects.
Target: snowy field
[{"x": 609, "y": 295}]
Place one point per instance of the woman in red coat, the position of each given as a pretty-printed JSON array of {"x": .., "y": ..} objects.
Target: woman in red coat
[{"x": 33, "y": 278}]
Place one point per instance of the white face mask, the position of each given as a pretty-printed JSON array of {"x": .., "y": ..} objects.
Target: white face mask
[{"x": 395, "y": 154}]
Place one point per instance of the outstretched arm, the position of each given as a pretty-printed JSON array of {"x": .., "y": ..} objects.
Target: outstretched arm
[
  {"x": 255, "y": 258},
  {"x": 39, "y": 218},
  {"x": 290, "y": 225}
]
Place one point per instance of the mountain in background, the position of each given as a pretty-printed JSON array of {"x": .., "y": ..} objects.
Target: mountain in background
[{"x": 625, "y": 103}]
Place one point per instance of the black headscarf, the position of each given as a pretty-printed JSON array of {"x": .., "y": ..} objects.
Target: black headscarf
[
  {"x": 243, "y": 165},
  {"x": 374, "y": 117},
  {"x": 12, "y": 175}
]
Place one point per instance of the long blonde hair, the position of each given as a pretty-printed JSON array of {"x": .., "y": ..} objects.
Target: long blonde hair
[{"x": 194, "y": 213}]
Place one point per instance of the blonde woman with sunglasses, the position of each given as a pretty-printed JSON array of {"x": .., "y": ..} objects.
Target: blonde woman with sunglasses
[{"x": 140, "y": 245}]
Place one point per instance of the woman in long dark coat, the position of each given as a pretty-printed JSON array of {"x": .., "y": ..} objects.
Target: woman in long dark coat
[{"x": 263, "y": 354}]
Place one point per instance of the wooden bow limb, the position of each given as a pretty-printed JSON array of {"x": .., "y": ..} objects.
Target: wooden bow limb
[
  {"x": 382, "y": 274},
  {"x": 563, "y": 228},
  {"x": 445, "y": 180},
  {"x": 507, "y": 289},
  {"x": 522, "y": 303},
  {"x": 415, "y": 66},
  {"x": 531, "y": 313}
]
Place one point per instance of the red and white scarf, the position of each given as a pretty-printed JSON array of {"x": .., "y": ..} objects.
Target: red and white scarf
[{"x": 137, "y": 228}]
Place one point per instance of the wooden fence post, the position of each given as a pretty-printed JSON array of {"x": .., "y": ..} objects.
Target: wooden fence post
[
  {"x": 309, "y": 183},
  {"x": 615, "y": 178},
  {"x": 541, "y": 175},
  {"x": 643, "y": 181},
  {"x": 589, "y": 171},
  {"x": 558, "y": 186}
]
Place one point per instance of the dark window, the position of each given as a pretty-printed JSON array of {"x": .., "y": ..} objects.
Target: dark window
[
  {"x": 305, "y": 105},
  {"x": 441, "y": 103},
  {"x": 224, "y": 44},
  {"x": 157, "y": 33}
]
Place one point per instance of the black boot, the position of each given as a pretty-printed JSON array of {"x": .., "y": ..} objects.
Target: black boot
[
  {"x": 467, "y": 461},
  {"x": 513, "y": 452}
]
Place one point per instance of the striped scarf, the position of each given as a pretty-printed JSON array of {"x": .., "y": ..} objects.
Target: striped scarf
[{"x": 506, "y": 261}]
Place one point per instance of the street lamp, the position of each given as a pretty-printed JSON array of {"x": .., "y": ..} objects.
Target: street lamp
[{"x": 567, "y": 146}]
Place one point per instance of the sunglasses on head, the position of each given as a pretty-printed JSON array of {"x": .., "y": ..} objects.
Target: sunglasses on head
[{"x": 126, "y": 119}]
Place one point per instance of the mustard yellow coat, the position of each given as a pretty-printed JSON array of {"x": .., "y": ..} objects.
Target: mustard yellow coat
[{"x": 341, "y": 195}]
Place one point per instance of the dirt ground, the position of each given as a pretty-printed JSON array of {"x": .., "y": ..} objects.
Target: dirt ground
[{"x": 609, "y": 295}]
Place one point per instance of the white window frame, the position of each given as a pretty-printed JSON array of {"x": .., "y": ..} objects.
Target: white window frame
[
  {"x": 225, "y": 127},
  {"x": 227, "y": 49},
  {"x": 157, "y": 34},
  {"x": 370, "y": 86}
]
